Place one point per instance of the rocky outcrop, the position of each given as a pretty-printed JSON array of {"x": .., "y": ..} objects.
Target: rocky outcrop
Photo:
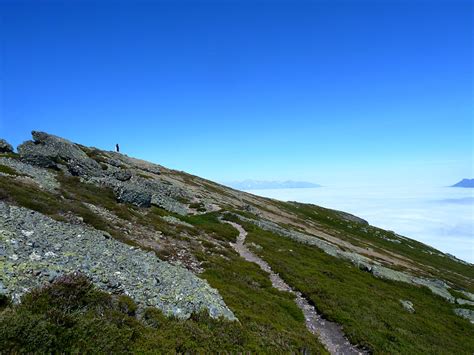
[
  {"x": 34, "y": 249},
  {"x": 50, "y": 151},
  {"x": 44, "y": 178},
  {"x": 122, "y": 175},
  {"x": 464, "y": 302},
  {"x": 107, "y": 169},
  {"x": 5, "y": 147},
  {"x": 133, "y": 194},
  {"x": 351, "y": 218}
]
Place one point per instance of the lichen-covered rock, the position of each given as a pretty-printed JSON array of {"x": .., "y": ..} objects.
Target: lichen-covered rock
[
  {"x": 5, "y": 147},
  {"x": 49, "y": 151},
  {"x": 169, "y": 203},
  {"x": 43, "y": 177},
  {"x": 464, "y": 302},
  {"x": 468, "y": 295},
  {"x": 465, "y": 313},
  {"x": 122, "y": 175},
  {"x": 134, "y": 194},
  {"x": 35, "y": 249}
]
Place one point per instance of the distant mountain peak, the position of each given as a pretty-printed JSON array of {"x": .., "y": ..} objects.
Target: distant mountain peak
[
  {"x": 265, "y": 185},
  {"x": 465, "y": 183}
]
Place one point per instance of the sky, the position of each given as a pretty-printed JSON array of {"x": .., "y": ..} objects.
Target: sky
[{"x": 333, "y": 92}]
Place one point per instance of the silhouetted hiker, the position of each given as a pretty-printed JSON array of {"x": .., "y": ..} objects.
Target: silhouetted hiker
[{"x": 117, "y": 148}]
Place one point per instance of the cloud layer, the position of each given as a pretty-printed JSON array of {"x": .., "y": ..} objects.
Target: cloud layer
[{"x": 442, "y": 217}]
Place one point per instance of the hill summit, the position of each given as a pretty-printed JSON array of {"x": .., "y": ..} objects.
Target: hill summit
[
  {"x": 101, "y": 252},
  {"x": 464, "y": 183}
]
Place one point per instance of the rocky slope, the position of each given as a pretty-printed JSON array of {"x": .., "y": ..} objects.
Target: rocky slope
[{"x": 158, "y": 235}]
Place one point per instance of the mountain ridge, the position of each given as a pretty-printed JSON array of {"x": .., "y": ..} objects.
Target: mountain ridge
[
  {"x": 468, "y": 183},
  {"x": 149, "y": 224},
  {"x": 264, "y": 185}
]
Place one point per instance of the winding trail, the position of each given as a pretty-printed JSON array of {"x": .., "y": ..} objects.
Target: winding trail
[{"x": 329, "y": 333}]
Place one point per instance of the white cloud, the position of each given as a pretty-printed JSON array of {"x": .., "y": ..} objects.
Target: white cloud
[{"x": 442, "y": 217}]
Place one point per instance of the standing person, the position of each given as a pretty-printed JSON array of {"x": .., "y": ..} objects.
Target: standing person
[{"x": 117, "y": 148}]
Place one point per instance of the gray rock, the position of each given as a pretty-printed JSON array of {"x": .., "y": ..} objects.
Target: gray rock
[
  {"x": 111, "y": 265},
  {"x": 351, "y": 218},
  {"x": 408, "y": 306},
  {"x": 465, "y": 313},
  {"x": 3, "y": 290},
  {"x": 5, "y": 147},
  {"x": 122, "y": 175},
  {"x": 468, "y": 295},
  {"x": 131, "y": 193},
  {"x": 169, "y": 203},
  {"x": 43, "y": 177},
  {"x": 464, "y": 302},
  {"x": 50, "y": 151}
]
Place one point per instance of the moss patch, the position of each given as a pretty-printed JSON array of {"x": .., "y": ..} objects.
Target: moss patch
[{"x": 7, "y": 170}]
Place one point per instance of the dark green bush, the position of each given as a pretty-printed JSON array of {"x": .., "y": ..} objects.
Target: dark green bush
[{"x": 71, "y": 315}]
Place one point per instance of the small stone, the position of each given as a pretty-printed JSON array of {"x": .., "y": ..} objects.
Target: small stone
[
  {"x": 34, "y": 257},
  {"x": 14, "y": 257},
  {"x": 50, "y": 254},
  {"x": 408, "y": 306},
  {"x": 27, "y": 233},
  {"x": 52, "y": 276},
  {"x": 123, "y": 175}
]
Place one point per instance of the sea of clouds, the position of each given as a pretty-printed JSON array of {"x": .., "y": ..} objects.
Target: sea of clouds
[{"x": 442, "y": 217}]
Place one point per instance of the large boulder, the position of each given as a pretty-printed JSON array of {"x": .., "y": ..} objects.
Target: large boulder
[
  {"x": 50, "y": 151},
  {"x": 122, "y": 175},
  {"x": 134, "y": 194},
  {"x": 5, "y": 147}
]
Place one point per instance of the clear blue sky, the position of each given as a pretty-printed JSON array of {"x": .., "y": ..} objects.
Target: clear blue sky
[{"x": 325, "y": 91}]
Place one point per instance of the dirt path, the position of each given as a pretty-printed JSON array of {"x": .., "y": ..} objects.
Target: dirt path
[{"x": 329, "y": 333}]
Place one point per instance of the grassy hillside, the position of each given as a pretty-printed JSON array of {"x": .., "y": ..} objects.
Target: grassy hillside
[{"x": 368, "y": 308}]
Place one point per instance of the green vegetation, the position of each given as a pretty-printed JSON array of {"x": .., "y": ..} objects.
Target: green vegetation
[
  {"x": 368, "y": 308},
  {"x": 7, "y": 170},
  {"x": 210, "y": 224},
  {"x": 145, "y": 176},
  {"x": 73, "y": 316},
  {"x": 271, "y": 319},
  {"x": 95, "y": 154},
  {"x": 364, "y": 235},
  {"x": 10, "y": 155},
  {"x": 199, "y": 206}
]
